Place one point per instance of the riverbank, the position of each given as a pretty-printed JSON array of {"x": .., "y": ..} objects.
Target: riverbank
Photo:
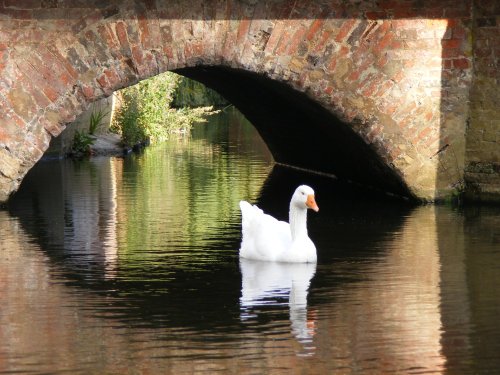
[{"x": 109, "y": 144}]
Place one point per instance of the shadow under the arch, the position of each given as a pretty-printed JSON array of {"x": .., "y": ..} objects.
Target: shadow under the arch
[{"x": 298, "y": 131}]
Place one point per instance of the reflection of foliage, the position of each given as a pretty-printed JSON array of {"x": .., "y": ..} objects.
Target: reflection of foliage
[
  {"x": 189, "y": 188},
  {"x": 145, "y": 113}
]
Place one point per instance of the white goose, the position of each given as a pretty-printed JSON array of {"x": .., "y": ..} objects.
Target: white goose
[{"x": 266, "y": 238}]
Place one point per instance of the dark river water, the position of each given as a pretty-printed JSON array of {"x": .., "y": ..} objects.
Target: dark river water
[{"x": 130, "y": 266}]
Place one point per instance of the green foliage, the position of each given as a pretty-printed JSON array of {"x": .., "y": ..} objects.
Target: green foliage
[
  {"x": 81, "y": 143},
  {"x": 96, "y": 118},
  {"x": 190, "y": 93},
  {"x": 146, "y": 113}
]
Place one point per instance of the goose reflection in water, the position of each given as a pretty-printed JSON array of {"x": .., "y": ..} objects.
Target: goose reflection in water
[{"x": 271, "y": 283}]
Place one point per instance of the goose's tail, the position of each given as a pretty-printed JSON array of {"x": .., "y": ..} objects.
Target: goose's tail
[{"x": 248, "y": 212}]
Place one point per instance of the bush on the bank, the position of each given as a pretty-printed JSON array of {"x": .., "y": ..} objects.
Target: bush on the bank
[
  {"x": 81, "y": 144},
  {"x": 146, "y": 114}
]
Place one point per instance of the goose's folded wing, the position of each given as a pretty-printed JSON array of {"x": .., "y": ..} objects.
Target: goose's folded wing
[{"x": 264, "y": 237}]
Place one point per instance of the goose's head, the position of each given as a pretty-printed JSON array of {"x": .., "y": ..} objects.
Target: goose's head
[{"x": 304, "y": 198}]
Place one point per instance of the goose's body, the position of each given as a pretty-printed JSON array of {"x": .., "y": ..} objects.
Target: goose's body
[{"x": 269, "y": 239}]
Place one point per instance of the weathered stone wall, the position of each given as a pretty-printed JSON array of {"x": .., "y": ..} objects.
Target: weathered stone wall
[
  {"x": 482, "y": 171},
  {"x": 396, "y": 73},
  {"x": 61, "y": 145}
]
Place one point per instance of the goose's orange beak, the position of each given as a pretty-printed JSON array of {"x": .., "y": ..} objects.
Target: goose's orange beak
[{"x": 311, "y": 203}]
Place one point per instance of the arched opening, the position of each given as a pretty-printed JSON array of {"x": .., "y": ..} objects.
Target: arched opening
[{"x": 298, "y": 131}]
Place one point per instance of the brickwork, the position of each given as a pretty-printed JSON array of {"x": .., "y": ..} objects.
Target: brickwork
[
  {"x": 397, "y": 72},
  {"x": 482, "y": 172}
]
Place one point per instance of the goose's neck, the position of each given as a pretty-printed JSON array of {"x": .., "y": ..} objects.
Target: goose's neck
[{"x": 298, "y": 222}]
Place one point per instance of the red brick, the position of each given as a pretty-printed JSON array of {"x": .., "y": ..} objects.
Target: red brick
[
  {"x": 103, "y": 81},
  {"x": 324, "y": 38},
  {"x": 451, "y": 43},
  {"x": 383, "y": 43},
  {"x": 50, "y": 93},
  {"x": 384, "y": 88},
  {"x": 396, "y": 44},
  {"x": 345, "y": 29},
  {"x": 168, "y": 51},
  {"x": 243, "y": 29},
  {"x": 67, "y": 65},
  {"x": 54, "y": 129},
  {"x": 53, "y": 69},
  {"x": 88, "y": 92},
  {"x": 385, "y": 26},
  {"x": 297, "y": 38},
  {"x": 112, "y": 77},
  {"x": 458, "y": 32},
  {"x": 354, "y": 75},
  {"x": 344, "y": 51},
  {"x": 372, "y": 85},
  {"x": 189, "y": 50},
  {"x": 43, "y": 93},
  {"x": 138, "y": 55},
  {"x": 313, "y": 29},
  {"x": 461, "y": 63},
  {"x": 426, "y": 131},
  {"x": 410, "y": 63},
  {"x": 395, "y": 153},
  {"x": 122, "y": 35},
  {"x": 328, "y": 90},
  {"x": 229, "y": 47},
  {"x": 382, "y": 61},
  {"x": 436, "y": 93},
  {"x": 108, "y": 38},
  {"x": 198, "y": 49},
  {"x": 284, "y": 42},
  {"x": 332, "y": 65},
  {"x": 150, "y": 63},
  {"x": 450, "y": 53},
  {"x": 143, "y": 28}
]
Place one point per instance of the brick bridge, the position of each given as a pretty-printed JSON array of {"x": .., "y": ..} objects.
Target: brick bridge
[{"x": 397, "y": 94}]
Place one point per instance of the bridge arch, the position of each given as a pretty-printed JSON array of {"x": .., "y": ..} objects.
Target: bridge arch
[
  {"x": 299, "y": 131},
  {"x": 366, "y": 78}
]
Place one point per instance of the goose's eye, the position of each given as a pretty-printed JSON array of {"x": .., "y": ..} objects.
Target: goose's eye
[{"x": 303, "y": 193}]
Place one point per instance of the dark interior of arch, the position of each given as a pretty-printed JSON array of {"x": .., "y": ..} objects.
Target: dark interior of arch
[{"x": 298, "y": 131}]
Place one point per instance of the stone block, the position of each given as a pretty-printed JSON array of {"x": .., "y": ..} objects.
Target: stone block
[
  {"x": 9, "y": 165},
  {"x": 22, "y": 103}
]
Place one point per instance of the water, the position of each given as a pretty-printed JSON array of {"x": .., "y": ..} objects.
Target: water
[{"x": 130, "y": 266}]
